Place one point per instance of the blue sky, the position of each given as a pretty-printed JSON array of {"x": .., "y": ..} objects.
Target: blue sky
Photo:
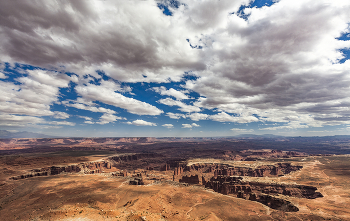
[{"x": 175, "y": 68}]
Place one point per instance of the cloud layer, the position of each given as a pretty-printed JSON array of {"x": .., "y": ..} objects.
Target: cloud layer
[{"x": 280, "y": 64}]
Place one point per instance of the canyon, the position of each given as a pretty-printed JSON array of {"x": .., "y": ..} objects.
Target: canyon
[{"x": 170, "y": 181}]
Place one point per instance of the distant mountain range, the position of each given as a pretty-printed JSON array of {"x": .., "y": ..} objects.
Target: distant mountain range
[
  {"x": 258, "y": 136},
  {"x": 22, "y": 134}
]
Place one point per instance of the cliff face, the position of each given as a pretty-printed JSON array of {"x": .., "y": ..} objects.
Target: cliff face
[
  {"x": 133, "y": 157},
  {"x": 87, "y": 168},
  {"x": 190, "y": 179},
  {"x": 228, "y": 180},
  {"x": 234, "y": 185},
  {"x": 261, "y": 192},
  {"x": 279, "y": 169}
]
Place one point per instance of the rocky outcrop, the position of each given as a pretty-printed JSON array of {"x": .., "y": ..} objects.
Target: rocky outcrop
[
  {"x": 120, "y": 173},
  {"x": 87, "y": 168},
  {"x": 24, "y": 176},
  {"x": 233, "y": 185},
  {"x": 95, "y": 167},
  {"x": 166, "y": 167},
  {"x": 190, "y": 179},
  {"x": 137, "y": 179},
  {"x": 178, "y": 171},
  {"x": 300, "y": 191},
  {"x": 273, "y": 202},
  {"x": 261, "y": 192},
  {"x": 279, "y": 169}
]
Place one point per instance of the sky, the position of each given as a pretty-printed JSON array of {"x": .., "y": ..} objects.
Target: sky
[{"x": 167, "y": 68}]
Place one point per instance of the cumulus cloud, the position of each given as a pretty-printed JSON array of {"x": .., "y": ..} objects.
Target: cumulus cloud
[
  {"x": 195, "y": 125},
  {"x": 108, "y": 118},
  {"x": 179, "y": 95},
  {"x": 197, "y": 116},
  {"x": 186, "y": 126},
  {"x": 87, "y": 105},
  {"x": 190, "y": 125},
  {"x": 280, "y": 64},
  {"x": 119, "y": 38},
  {"x": 272, "y": 63},
  {"x": 12, "y": 120},
  {"x": 168, "y": 125},
  {"x": 33, "y": 94},
  {"x": 224, "y": 117},
  {"x": 183, "y": 107},
  {"x": 105, "y": 92},
  {"x": 85, "y": 117},
  {"x": 175, "y": 115},
  {"x": 2, "y": 76},
  {"x": 60, "y": 115},
  {"x": 141, "y": 123}
]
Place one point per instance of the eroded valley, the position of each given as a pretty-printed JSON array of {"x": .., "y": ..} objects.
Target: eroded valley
[{"x": 149, "y": 180}]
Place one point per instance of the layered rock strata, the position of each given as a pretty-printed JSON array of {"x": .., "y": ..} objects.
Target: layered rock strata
[
  {"x": 87, "y": 168},
  {"x": 279, "y": 169},
  {"x": 261, "y": 192}
]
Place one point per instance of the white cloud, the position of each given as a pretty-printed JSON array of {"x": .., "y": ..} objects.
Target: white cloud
[
  {"x": 183, "y": 107},
  {"x": 141, "y": 123},
  {"x": 175, "y": 115},
  {"x": 179, "y": 95},
  {"x": 19, "y": 121},
  {"x": 289, "y": 126},
  {"x": 190, "y": 125},
  {"x": 186, "y": 126},
  {"x": 242, "y": 130},
  {"x": 117, "y": 37},
  {"x": 60, "y": 115},
  {"x": 34, "y": 95},
  {"x": 61, "y": 123},
  {"x": 168, "y": 125},
  {"x": 268, "y": 65},
  {"x": 11, "y": 120},
  {"x": 85, "y": 117},
  {"x": 197, "y": 116},
  {"x": 105, "y": 93},
  {"x": 108, "y": 118},
  {"x": 195, "y": 125},
  {"x": 3, "y": 76},
  {"x": 87, "y": 105},
  {"x": 224, "y": 117}
]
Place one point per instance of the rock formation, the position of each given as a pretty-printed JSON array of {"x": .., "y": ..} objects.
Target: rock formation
[
  {"x": 87, "y": 168},
  {"x": 279, "y": 169},
  {"x": 261, "y": 192},
  {"x": 190, "y": 179}
]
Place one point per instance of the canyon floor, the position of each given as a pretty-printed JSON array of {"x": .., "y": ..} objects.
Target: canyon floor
[{"x": 172, "y": 181}]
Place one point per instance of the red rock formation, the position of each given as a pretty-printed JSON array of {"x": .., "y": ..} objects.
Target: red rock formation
[
  {"x": 120, "y": 173},
  {"x": 88, "y": 168},
  {"x": 226, "y": 170},
  {"x": 231, "y": 185},
  {"x": 190, "y": 179}
]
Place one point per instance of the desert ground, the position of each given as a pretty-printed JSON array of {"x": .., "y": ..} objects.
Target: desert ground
[{"x": 125, "y": 183}]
